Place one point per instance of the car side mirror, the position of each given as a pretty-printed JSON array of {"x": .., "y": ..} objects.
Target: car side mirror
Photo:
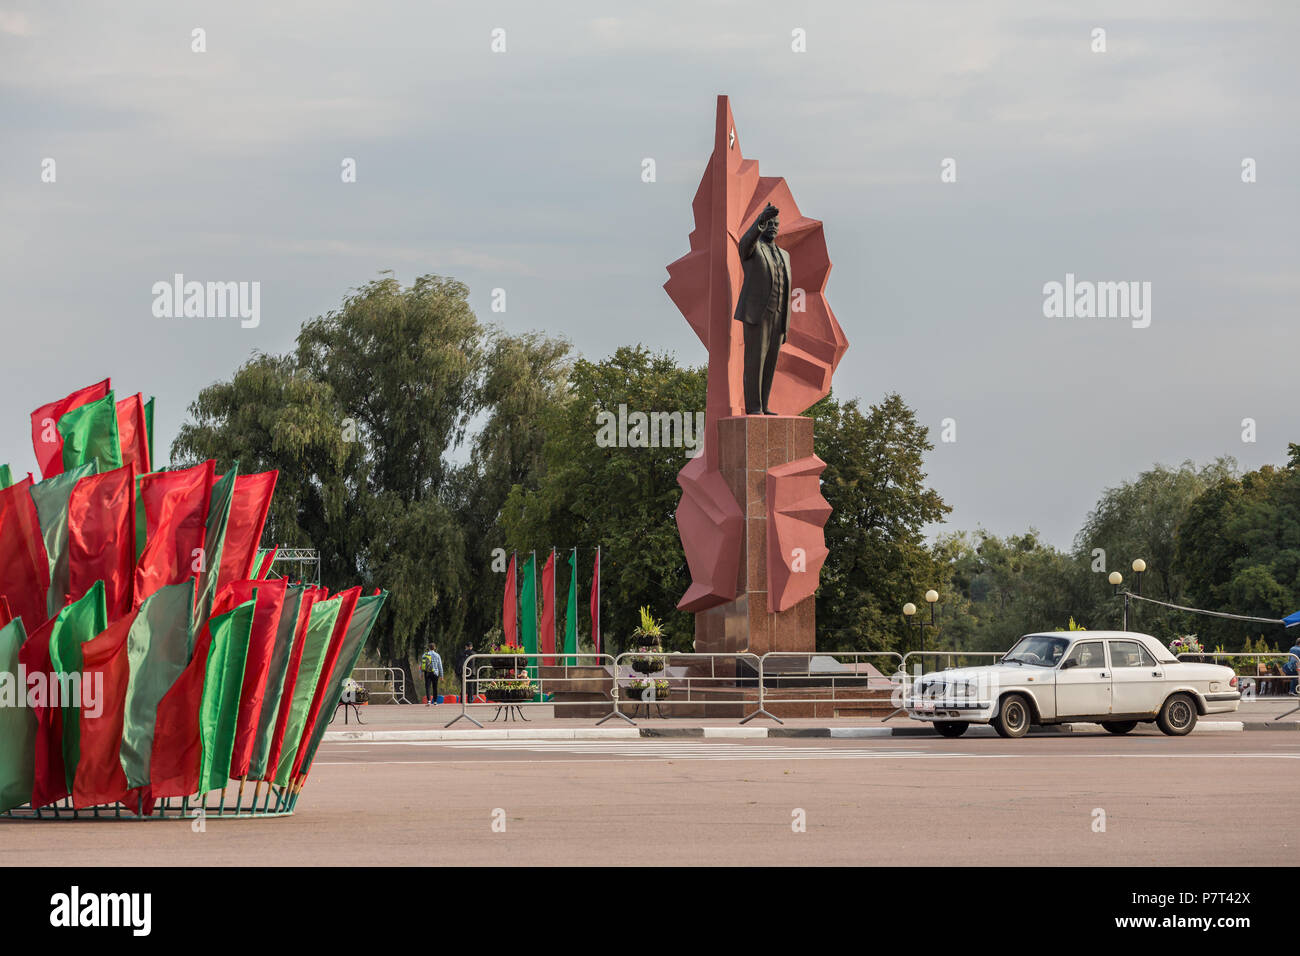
[{"x": 1072, "y": 662}]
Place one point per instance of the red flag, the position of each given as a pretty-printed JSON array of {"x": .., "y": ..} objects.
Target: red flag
[
  {"x": 133, "y": 433},
  {"x": 265, "y": 569},
  {"x": 46, "y": 439},
  {"x": 101, "y": 538},
  {"x": 6, "y": 615},
  {"x": 24, "y": 568},
  {"x": 100, "y": 777},
  {"x": 510, "y": 607},
  {"x": 347, "y": 604},
  {"x": 309, "y": 597},
  {"x": 177, "y": 745},
  {"x": 595, "y": 601},
  {"x": 266, "y": 620},
  {"x": 248, "y": 509},
  {"x": 175, "y": 518},
  {"x": 546, "y": 631},
  {"x": 50, "y": 782}
]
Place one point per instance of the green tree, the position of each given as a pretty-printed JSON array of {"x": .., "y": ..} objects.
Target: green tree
[
  {"x": 879, "y": 559},
  {"x": 1003, "y": 588},
  {"x": 1140, "y": 519},
  {"x": 1239, "y": 551}
]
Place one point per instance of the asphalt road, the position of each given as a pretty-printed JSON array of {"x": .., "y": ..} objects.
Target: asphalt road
[{"x": 1224, "y": 798}]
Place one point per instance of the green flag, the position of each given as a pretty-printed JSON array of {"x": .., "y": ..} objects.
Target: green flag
[
  {"x": 275, "y": 676},
  {"x": 319, "y": 628},
  {"x": 51, "y": 499},
  {"x": 571, "y": 611},
  {"x": 17, "y": 723},
  {"x": 6, "y": 476},
  {"x": 90, "y": 432},
  {"x": 214, "y": 540},
  {"x": 528, "y": 609},
  {"x": 222, "y": 682},
  {"x": 354, "y": 642},
  {"x": 528, "y": 606},
  {"x": 148, "y": 427},
  {"x": 158, "y": 649},
  {"x": 77, "y": 623},
  {"x": 262, "y": 555}
]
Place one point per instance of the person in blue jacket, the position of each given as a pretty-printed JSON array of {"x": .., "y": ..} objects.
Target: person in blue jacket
[{"x": 431, "y": 667}]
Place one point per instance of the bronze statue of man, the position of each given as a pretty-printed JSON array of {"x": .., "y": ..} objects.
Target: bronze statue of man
[{"x": 764, "y": 307}]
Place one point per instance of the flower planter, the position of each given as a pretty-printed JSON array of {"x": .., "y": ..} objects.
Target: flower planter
[
  {"x": 633, "y": 694},
  {"x": 516, "y": 696},
  {"x": 648, "y": 665}
]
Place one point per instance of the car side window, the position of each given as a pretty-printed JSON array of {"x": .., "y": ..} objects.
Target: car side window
[
  {"x": 1089, "y": 654},
  {"x": 1130, "y": 654}
]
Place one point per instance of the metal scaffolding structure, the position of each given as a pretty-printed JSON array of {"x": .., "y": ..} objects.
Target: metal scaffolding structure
[{"x": 299, "y": 556}]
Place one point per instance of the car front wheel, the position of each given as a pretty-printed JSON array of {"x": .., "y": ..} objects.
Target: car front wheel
[
  {"x": 1012, "y": 719},
  {"x": 951, "y": 728},
  {"x": 1120, "y": 726},
  {"x": 1177, "y": 716}
]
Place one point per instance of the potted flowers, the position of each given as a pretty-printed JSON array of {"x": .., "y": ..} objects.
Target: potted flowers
[
  {"x": 636, "y": 689},
  {"x": 505, "y": 657},
  {"x": 649, "y": 637},
  {"x": 509, "y": 690},
  {"x": 1187, "y": 645}
]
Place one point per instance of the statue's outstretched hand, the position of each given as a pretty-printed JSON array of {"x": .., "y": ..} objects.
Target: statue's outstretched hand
[{"x": 769, "y": 212}]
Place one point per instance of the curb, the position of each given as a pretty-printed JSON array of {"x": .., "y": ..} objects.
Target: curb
[{"x": 737, "y": 733}]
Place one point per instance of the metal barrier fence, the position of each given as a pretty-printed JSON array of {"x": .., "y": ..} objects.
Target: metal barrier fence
[
  {"x": 514, "y": 682},
  {"x": 689, "y": 681},
  {"x": 607, "y": 686},
  {"x": 392, "y": 682},
  {"x": 833, "y": 679},
  {"x": 1264, "y": 679}
]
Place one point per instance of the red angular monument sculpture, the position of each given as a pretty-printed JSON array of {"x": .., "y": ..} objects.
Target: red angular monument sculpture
[{"x": 751, "y": 514}]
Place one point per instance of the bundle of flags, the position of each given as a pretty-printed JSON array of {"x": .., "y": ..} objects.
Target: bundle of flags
[
  {"x": 145, "y": 653},
  {"x": 534, "y": 636}
]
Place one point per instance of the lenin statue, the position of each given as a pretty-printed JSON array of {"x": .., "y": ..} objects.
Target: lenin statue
[{"x": 764, "y": 307}]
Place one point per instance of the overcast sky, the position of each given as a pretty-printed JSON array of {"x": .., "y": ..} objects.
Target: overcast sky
[{"x": 522, "y": 170}]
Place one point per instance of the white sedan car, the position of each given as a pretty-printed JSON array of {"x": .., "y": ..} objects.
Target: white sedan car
[{"x": 1115, "y": 678}]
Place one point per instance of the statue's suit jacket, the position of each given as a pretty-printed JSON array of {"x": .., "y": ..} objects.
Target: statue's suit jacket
[{"x": 756, "y": 288}]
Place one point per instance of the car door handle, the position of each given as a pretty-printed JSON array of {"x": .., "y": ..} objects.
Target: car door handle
[
  {"x": 1103, "y": 674},
  {"x": 1157, "y": 674}
]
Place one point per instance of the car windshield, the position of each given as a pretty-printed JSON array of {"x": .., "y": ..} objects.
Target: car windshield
[{"x": 1037, "y": 649}]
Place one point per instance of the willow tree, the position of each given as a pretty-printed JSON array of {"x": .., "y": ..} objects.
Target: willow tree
[{"x": 364, "y": 420}]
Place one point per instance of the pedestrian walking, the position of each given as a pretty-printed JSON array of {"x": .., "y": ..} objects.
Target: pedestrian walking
[{"x": 431, "y": 667}]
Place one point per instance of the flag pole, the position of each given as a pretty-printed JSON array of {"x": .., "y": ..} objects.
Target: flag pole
[
  {"x": 554, "y": 617},
  {"x": 533, "y": 611},
  {"x": 573, "y": 587}
]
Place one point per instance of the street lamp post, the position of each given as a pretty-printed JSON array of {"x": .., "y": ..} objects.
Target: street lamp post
[
  {"x": 1116, "y": 579},
  {"x": 909, "y": 616}
]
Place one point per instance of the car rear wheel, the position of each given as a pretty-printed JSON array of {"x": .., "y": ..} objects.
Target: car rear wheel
[
  {"x": 1120, "y": 726},
  {"x": 951, "y": 728},
  {"x": 1012, "y": 719},
  {"x": 1177, "y": 716}
]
